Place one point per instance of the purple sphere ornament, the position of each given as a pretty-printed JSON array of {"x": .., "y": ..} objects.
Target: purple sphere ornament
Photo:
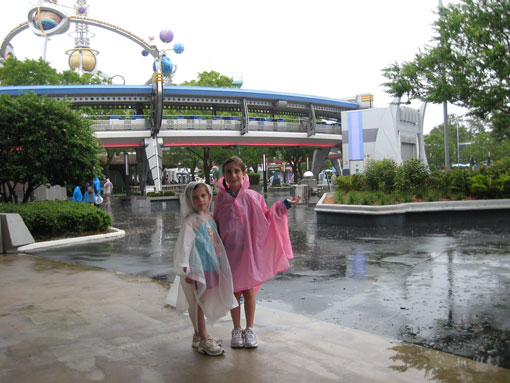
[
  {"x": 82, "y": 10},
  {"x": 166, "y": 35}
]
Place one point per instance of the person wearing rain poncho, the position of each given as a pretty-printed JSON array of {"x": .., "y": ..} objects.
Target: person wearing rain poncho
[
  {"x": 203, "y": 282},
  {"x": 77, "y": 195},
  {"x": 256, "y": 240}
]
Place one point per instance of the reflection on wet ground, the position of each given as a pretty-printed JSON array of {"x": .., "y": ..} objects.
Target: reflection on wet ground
[{"x": 445, "y": 289}]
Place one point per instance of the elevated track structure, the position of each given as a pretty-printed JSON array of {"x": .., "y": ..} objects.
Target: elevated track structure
[
  {"x": 166, "y": 116},
  {"x": 349, "y": 132}
]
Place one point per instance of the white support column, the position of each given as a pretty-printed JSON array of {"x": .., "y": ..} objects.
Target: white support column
[
  {"x": 319, "y": 157},
  {"x": 154, "y": 156}
]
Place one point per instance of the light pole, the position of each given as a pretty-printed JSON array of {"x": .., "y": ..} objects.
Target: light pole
[
  {"x": 458, "y": 148},
  {"x": 264, "y": 171},
  {"x": 445, "y": 117}
]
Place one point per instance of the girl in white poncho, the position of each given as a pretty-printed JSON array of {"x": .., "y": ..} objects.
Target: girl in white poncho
[{"x": 203, "y": 282}]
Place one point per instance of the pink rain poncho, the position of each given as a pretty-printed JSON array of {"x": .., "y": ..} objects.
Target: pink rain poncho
[
  {"x": 200, "y": 256},
  {"x": 256, "y": 238}
]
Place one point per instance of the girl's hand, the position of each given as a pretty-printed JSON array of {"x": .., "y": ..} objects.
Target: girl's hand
[
  {"x": 188, "y": 280},
  {"x": 294, "y": 200}
]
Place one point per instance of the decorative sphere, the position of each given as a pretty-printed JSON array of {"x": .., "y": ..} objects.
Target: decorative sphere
[
  {"x": 151, "y": 38},
  {"x": 82, "y": 10},
  {"x": 145, "y": 53},
  {"x": 178, "y": 48},
  {"x": 88, "y": 60},
  {"x": 48, "y": 20},
  {"x": 166, "y": 65},
  {"x": 166, "y": 35}
]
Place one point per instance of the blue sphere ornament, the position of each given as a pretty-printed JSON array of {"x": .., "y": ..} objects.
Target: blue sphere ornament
[
  {"x": 178, "y": 48},
  {"x": 166, "y": 35},
  {"x": 166, "y": 65},
  {"x": 145, "y": 53}
]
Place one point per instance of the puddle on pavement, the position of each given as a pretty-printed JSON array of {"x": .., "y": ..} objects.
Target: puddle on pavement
[{"x": 445, "y": 289}]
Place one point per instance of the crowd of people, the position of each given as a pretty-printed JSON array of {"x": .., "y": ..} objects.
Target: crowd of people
[{"x": 91, "y": 192}]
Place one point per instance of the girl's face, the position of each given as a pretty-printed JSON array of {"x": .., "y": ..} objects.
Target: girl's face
[
  {"x": 200, "y": 198},
  {"x": 234, "y": 176}
]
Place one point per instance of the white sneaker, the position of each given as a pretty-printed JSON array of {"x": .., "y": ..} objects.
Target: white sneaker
[
  {"x": 210, "y": 347},
  {"x": 237, "y": 338},
  {"x": 250, "y": 339},
  {"x": 196, "y": 341}
]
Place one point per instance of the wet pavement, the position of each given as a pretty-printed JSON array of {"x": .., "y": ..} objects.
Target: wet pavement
[
  {"x": 66, "y": 322},
  {"x": 444, "y": 288}
]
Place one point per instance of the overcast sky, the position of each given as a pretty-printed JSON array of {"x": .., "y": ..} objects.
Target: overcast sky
[{"x": 331, "y": 48}]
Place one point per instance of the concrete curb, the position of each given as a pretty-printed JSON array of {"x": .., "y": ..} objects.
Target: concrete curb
[
  {"x": 117, "y": 233},
  {"x": 413, "y": 207}
]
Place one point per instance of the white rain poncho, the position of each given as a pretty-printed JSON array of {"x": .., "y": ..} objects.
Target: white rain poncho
[{"x": 199, "y": 255}]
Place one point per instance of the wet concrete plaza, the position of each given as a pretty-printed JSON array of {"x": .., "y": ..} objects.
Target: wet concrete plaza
[{"x": 445, "y": 288}]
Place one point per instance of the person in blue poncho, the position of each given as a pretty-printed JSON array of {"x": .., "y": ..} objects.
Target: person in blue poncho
[
  {"x": 97, "y": 185},
  {"x": 77, "y": 195}
]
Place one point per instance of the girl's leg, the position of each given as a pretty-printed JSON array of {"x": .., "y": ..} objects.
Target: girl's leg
[
  {"x": 202, "y": 330},
  {"x": 249, "y": 337},
  {"x": 237, "y": 340},
  {"x": 236, "y": 313},
  {"x": 249, "y": 306},
  {"x": 189, "y": 292}
]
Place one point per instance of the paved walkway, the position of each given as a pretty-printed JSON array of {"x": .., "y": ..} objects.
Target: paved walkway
[{"x": 63, "y": 322}]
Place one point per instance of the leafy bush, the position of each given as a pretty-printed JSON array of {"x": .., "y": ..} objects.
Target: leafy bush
[
  {"x": 459, "y": 180},
  {"x": 354, "y": 198},
  {"x": 254, "y": 178},
  {"x": 353, "y": 182},
  {"x": 411, "y": 176},
  {"x": 380, "y": 175},
  {"x": 440, "y": 181},
  {"x": 386, "y": 183},
  {"x": 46, "y": 219},
  {"x": 501, "y": 167},
  {"x": 339, "y": 197},
  {"x": 483, "y": 186}
]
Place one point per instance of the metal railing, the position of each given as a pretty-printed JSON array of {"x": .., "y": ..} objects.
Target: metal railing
[{"x": 223, "y": 123}]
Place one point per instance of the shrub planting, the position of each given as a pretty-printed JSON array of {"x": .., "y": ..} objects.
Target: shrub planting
[
  {"x": 385, "y": 182},
  {"x": 50, "y": 219}
]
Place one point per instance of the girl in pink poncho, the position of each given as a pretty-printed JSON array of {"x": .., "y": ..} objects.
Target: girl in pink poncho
[
  {"x": 256, "y": 240},
  {"x": 203, "y": 282}
]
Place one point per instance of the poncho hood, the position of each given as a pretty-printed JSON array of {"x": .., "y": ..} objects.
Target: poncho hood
[{"x": 186, "y": 204}]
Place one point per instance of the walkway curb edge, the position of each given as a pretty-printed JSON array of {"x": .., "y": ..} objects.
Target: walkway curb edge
[{"x": 117, "y": 233}]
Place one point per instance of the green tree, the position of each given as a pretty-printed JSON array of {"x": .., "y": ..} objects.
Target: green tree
[
  {"x": 43, "y": 141},
  {"x": 474, "y": 141},
  {"x": 39, "y": 72},
  {"x": 252, "y": 156},
  {"x": 469, "y": 65},
  {"x": 296, "y": 157},
  {"x": 28, "y": 72},
  {"x": 211, "y": 79}
]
